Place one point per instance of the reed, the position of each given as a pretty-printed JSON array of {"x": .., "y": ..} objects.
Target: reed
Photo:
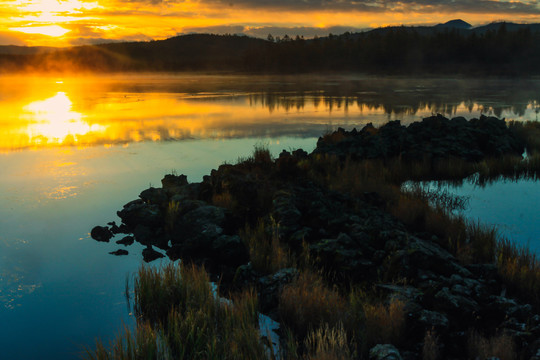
[
  {"x": 308, "y": 303},
  {"x": 179, "y": 316},
  {"x": 266, "y": 253},
  {"x": 499, "y": 346}
]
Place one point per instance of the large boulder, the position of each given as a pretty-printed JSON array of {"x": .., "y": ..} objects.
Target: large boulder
[{"x": 139, "y": 212}]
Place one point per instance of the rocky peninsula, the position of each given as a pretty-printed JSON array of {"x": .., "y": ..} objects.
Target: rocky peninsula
[{"x": 431, "y": 284}]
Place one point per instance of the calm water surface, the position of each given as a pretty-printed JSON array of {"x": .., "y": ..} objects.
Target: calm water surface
[{"x": 74, "y": 150}]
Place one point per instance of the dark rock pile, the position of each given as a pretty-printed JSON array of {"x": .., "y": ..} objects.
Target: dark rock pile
[
  {"x": 435, "y": 137},
  {"x": 354, "y": 239}
]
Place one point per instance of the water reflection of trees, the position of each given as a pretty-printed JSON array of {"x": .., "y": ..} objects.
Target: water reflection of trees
[{"x": 391, "y": 105}]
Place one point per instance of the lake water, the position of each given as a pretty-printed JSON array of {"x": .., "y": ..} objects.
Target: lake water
[{"x": 73, "y": 150}]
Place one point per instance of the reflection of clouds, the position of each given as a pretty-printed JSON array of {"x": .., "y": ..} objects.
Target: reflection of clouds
[{"x": 18, "y": 269}]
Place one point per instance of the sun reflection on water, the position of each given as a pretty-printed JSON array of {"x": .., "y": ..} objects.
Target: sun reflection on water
[{"x": 54, "y": 122}]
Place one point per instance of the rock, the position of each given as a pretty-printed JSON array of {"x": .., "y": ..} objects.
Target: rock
[
  {"x": 114, "y": 228},
  {"x": 101, "y": 233},
  {"x": 457, "y": 305},
  {"x": 119, "y": 252},
  {"x": 270, "y": 288},
  {"x": 150, "y": 254},
  {"x": 384, "y": 352},
  {"x": 155, "y": 196},
  {"x": 433, "y": 320},
  {"x": 126, "y": 240},
  {"x": 172, "y": 183},
  {"x": 138, "y": 212},
  {"x": 199, "y": 226},
  {"x": 229, "y": 250}
]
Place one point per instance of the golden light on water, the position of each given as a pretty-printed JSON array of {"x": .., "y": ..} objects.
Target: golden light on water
[
  {"x": 54, "y": 122},
  {"x": 62, "y": 112}
]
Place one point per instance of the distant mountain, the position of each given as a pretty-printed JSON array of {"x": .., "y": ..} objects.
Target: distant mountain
[
  {"x": 534, "y": 28},
  {"x": 454, "y": 24}
]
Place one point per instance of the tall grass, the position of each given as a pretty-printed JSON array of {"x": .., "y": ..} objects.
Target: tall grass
[
  {"x": 266, "y": 253},
  {"x": 519, "y": 268},
  {"x": 180, "y": 317},
  {"x": 384, "y": 323},
  {"x": 308, "y": 303},
  {"x": 499, "y": 346},
  {"x": 328, "y": 343}
]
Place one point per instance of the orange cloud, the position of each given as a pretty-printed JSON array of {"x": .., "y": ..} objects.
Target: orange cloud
[{"x": 65, "y": 22}]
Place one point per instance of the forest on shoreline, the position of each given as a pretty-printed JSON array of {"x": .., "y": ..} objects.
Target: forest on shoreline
[{"x": 499, "y": 49}]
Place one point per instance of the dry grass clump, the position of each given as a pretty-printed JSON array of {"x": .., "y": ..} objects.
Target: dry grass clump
[
  {"x": 266, "y": 253},
  {"x": 308, "y": 303},
  {"x": 180, "y": 317},
  {"x": 171, "y": 214},
  {"x": 328, "y": 343},
  {"x": 499, "y": 346},
  {"x": 224, "y": 200},
  {"x": 384, "y": 324},
  {"x": 519, "y": 268},
  {"x": 158, "y": 289},
  {"x": 430, "y": 348}
]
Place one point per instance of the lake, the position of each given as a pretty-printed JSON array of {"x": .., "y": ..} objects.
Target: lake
[{"x": 73, "y": 150}]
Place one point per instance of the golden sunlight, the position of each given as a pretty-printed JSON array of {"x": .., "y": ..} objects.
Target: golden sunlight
[
  {"x": 54, "y": 122},
  {"x": 49, "y": 30}
]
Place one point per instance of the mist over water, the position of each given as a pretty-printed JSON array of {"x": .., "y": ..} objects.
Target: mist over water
[{"x": 73, "y": 150}]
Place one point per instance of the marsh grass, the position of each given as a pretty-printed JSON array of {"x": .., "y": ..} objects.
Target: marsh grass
[
  {"x": 499, "y": 346},
  {"x": 179, "y": 316},
  {"x": 384, "y": 323},
  {"x": 171, "y": 214},
  {"x": 328, "y": 343},
  {"x": 430, "y": 347},
  {"x": 266, "y": 253},
  {"x": 519, "y": 267},
  {"x": 224, "y": 200},
  {"x": 308, "y": 303}
]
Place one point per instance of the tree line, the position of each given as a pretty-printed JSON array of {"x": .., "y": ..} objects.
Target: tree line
[{"x": 399, "y": 50}]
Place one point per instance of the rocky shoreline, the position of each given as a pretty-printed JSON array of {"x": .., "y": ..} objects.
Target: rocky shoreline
[{"x": 352, "y": 240}]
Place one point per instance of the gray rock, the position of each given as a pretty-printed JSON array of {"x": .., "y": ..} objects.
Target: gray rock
[
  {"x": 455, "y": 303},
  {"x": 384, "y": 352},
  {"x": 433, "y": 320}
]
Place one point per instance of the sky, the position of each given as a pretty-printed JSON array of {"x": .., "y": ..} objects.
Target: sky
[{"x": 76, "y": 22}]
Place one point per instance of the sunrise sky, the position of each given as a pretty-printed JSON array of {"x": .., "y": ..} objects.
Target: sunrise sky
[{"x": 73, "y": 22}]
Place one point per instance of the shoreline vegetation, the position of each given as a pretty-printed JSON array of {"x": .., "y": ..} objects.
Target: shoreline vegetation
[
  {"x": 455, "y": 48},
  {"x": 352, "y": 264}
]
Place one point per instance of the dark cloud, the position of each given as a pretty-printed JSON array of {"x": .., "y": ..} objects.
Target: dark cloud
[
  {"x": 305, "y": 31},
  {"x": 225, "y": 29},
  {"x": 475, "y": 6},
  {"x": 263, "y": 31}
]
